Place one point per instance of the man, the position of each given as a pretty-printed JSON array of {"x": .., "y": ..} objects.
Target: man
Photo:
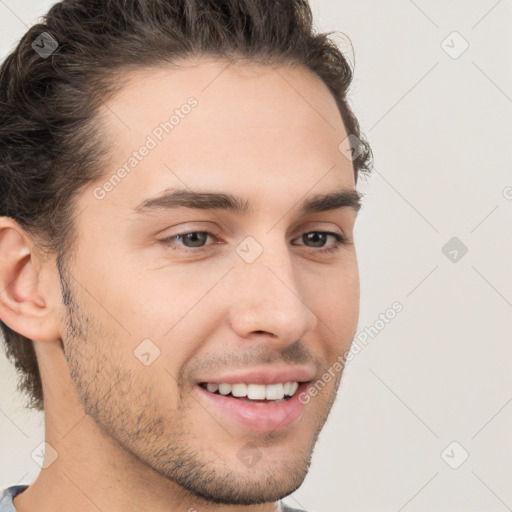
[{"x": 178, "y": 268}]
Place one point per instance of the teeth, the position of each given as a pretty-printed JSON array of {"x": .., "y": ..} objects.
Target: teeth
[
  {"x": 255, "y": 391},
  {"x": 239, "y": 389},
  {"x": 212, "y": 387},
  {"x": 224, "y": 389},
  {"x": 275, "y": 392}
]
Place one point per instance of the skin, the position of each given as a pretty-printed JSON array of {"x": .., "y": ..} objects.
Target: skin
[{"x": 133, "y": 437}]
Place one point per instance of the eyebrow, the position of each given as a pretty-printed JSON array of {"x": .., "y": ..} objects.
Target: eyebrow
[{"x": 206, "y": 200}]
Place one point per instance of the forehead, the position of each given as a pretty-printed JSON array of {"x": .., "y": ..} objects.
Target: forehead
[
  {"x": 270, "y": 129},
  {"x": 147, "y": 93}
]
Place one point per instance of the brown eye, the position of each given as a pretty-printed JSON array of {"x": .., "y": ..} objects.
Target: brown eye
[
  {"x": 318, "y": 239},
  {"x": 189, "y": 240}
]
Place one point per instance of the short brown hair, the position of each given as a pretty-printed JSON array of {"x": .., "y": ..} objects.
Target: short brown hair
[{"x": 50, "y": 147}]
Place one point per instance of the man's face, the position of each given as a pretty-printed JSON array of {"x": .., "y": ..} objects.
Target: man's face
[{"x": 260, "y": 300}]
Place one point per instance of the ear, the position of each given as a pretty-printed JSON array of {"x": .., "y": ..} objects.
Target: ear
[{"x": 29, "y": 296}]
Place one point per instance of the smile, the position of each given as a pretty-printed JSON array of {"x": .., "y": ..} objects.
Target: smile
[
  {"x": 257, "y": 408},
  {"x": 253, "y": 391}
]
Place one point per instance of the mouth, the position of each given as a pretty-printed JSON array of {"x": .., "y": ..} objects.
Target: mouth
[
  {"x": 253, "y": 392},
  {"x": 254, "y": 406}
]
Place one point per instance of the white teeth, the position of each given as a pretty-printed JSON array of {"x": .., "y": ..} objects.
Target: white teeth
[
  {"x": 224, "y": 389},
  {"x": 255, "y": 391},
  {"x": 239, "y": 389},
  {"x": 293, "y": 387},
  {"x": 275, "y": 392},
  {"x": 212, "y": 387}
]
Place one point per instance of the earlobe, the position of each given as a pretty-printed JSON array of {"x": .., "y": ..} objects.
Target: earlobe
[{"x": 25, "y": 306}]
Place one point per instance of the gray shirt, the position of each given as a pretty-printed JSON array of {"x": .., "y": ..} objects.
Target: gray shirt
[{"x": 6, "y": 497}]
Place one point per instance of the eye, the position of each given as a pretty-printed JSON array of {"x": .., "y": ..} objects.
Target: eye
[
  {"x": 195, "y": 241},
  {"x": 319, "y": 238},
  {"x": 191, "y": 240}
]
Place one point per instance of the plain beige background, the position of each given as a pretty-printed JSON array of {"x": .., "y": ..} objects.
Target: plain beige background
[{"x": 424, "y": 414}]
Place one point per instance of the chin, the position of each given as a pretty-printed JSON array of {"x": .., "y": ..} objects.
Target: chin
[{"x": 251, "y": 487}]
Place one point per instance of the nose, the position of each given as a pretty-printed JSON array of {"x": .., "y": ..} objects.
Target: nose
[{"x": 268, "y": 300}]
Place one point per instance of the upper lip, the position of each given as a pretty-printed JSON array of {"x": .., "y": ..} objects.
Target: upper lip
[{"x": 265, "y": 376}]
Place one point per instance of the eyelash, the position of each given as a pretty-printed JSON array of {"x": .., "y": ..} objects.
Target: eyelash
[{"x": 339, "y": 241}]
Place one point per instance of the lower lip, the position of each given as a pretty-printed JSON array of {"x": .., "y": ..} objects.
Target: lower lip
[{"x": 258, "y": 416}]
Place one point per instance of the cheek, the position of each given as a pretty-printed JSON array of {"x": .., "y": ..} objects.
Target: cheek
[
  {"x": 169, "y": 314},
  {"x": 335, "y": 290},
  {"x": 157, "y": 302},
  {"x": 337, "y": 306}
]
